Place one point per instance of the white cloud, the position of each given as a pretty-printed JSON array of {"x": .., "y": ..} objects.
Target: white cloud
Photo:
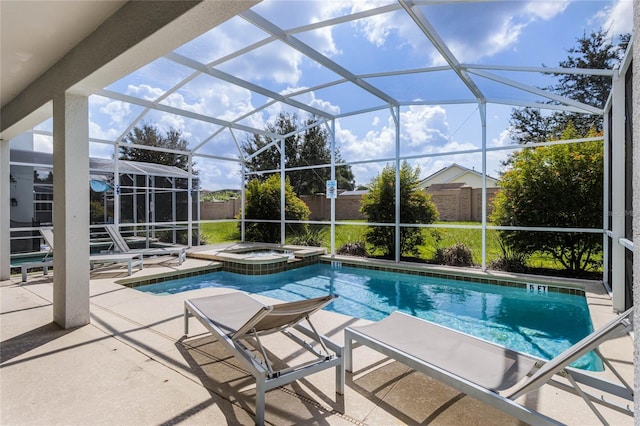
[
  {"x": 96, "y": 131},
  {"x": 117, "y": 111},
  {"x": 617, "y": 18},
  {"x": 545, "y": 10},
  {"x": 377, "y": 29},
  {"x": 423, "y": 127},
  {"x": 503, "y": 139},
  {"x": 309, "y": 98},
  {"x": 144, "y": 91},
  {"x": 488, "y": 28}
]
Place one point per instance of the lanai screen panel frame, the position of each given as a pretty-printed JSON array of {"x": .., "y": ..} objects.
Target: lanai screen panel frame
[{"x": 473, "y": 78}]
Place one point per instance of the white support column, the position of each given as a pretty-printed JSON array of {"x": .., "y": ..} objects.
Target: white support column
[
  {"x": 190, "y": 202},
  {"x": 5, "y": 212},
  {"x": 71, "y": 210},
  {"x": 398, "y": 255},
  {"x": 483, "y": 120},
  {"x": 116, "y": 184},
  {"x": 333, "y": 177},
  {"x": 149, "y": 210},
  {"x": 243, "y": 195},
  {"x": 618, "y": 193},
  {"x": 636, "y": 200},
  {"x": 174, "y": 210},
  {"x": 283, "y": 201},
  {"x": 605, "y": 200}
]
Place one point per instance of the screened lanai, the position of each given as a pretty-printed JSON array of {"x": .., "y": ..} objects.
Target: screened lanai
[
  {"x": 146, "y": 194},
  {"x": 423, "y": 82}
]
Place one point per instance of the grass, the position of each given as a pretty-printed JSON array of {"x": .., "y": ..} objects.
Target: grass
[
  {"x": 219, "y": 232},
  {"x": 434, "y": 238},
  {"x": 223, "y": 232}
]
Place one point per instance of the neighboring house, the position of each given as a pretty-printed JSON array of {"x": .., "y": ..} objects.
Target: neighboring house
[
  {"x": 457, "y": 193},
  {"x": 456, "y": 173}
]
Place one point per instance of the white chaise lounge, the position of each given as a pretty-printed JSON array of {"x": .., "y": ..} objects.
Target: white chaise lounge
[
  {"x": 131, "y": 259},
  {"x": 489, "y": 372},
  {"x": 237, "y": 320},
  {"x": 121, "y": 246}
]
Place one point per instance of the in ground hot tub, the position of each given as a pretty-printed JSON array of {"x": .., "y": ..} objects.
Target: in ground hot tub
[{"x": 262, "y": 259}]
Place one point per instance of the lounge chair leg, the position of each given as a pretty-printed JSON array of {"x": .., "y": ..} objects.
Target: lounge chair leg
[
  {"x": 260, "y": 401},
  {"x": 340, "y": 376},
  {"x": 347, "y": 352},
  {"x": 339, "y": 380},
  {"x": 586, "y": 399},
  {"x": 186, "y": 322}
]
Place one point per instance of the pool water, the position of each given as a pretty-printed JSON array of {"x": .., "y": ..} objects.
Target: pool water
[
  {"x": 18, "y": 260},
  {"x": 543, "y": 325}
]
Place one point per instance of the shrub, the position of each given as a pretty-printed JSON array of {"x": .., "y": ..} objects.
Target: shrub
[
  {"x": 313, "y": 237},
  {"x": 353, "y": 249},
  {"x": 554, "y": 186},
  {"x": 456, "y": 255},
  {"x": 510, "y": 261},
  {"x": 415, "y": 207},
  {"x": 263, "y": 202}
]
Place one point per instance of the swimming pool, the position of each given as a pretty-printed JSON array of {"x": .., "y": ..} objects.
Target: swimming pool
[
  {"x": 539, "y": 324},
  {"x": 17, "y": 259}
]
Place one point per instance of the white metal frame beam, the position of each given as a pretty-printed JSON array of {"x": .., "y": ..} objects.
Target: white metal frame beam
[
  {"x": 311, "y": 53},
  {"x": 430, "y": 32}
]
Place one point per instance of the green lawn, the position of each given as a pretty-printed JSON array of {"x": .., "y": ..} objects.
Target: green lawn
[
  {"x": 222, "y": 232},
  {"x": 446, "y": 237},
  {"x": 435, "y": 238},
  {"x": 219, "y": 232}
]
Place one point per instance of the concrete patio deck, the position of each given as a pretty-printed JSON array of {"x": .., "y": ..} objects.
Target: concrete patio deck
[{"x": 132, "y": 365}]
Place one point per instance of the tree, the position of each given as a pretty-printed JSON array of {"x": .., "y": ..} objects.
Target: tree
[
  {"x": 554, "y": 186},
  {"x": 263, "y": 202},
  {"x": 306, "y": 148},
  {"x": 415, "y": 207},
  {"x": 593, "y": 51},
  {"x": 149, "y": 135}
]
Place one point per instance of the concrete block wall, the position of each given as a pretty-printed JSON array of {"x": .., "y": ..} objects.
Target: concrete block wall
[
  {"x": 212, "y": 210},
  {"x": 459, "y": 203},
  {"x": 347, "y": 207}
]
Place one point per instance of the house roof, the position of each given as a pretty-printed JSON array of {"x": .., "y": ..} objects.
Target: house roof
[{"x": 463, "y": 171}]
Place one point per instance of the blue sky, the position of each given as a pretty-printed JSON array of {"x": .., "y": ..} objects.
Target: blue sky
[{"x": 529, "y": 33}]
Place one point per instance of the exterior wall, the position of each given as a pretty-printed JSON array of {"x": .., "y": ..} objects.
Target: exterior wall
[
  {"x": 347, "y": 207},
  {"x": 463, "y": 204},
  {"x": 212, "y": 210},
  {"x": 454, "y": 204}
]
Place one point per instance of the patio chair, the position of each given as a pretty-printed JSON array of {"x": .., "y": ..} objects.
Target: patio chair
[
  {"x": 131, "y": 259},
  {"x": 238, "y": 320},
  {"x": 121, "y": 246},
  {"x": 45, "y": 263},
  {"x": 489, "y": 372}
]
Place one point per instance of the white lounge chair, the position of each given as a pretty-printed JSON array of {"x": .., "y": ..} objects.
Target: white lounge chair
[
  {"x": 237, "y": 319},
  {"x": 489, "y": 372},
  {"x": 121, "y": 246},
  {"x": 45, "y": 263},
  {"x": 131, "y": 259}
]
